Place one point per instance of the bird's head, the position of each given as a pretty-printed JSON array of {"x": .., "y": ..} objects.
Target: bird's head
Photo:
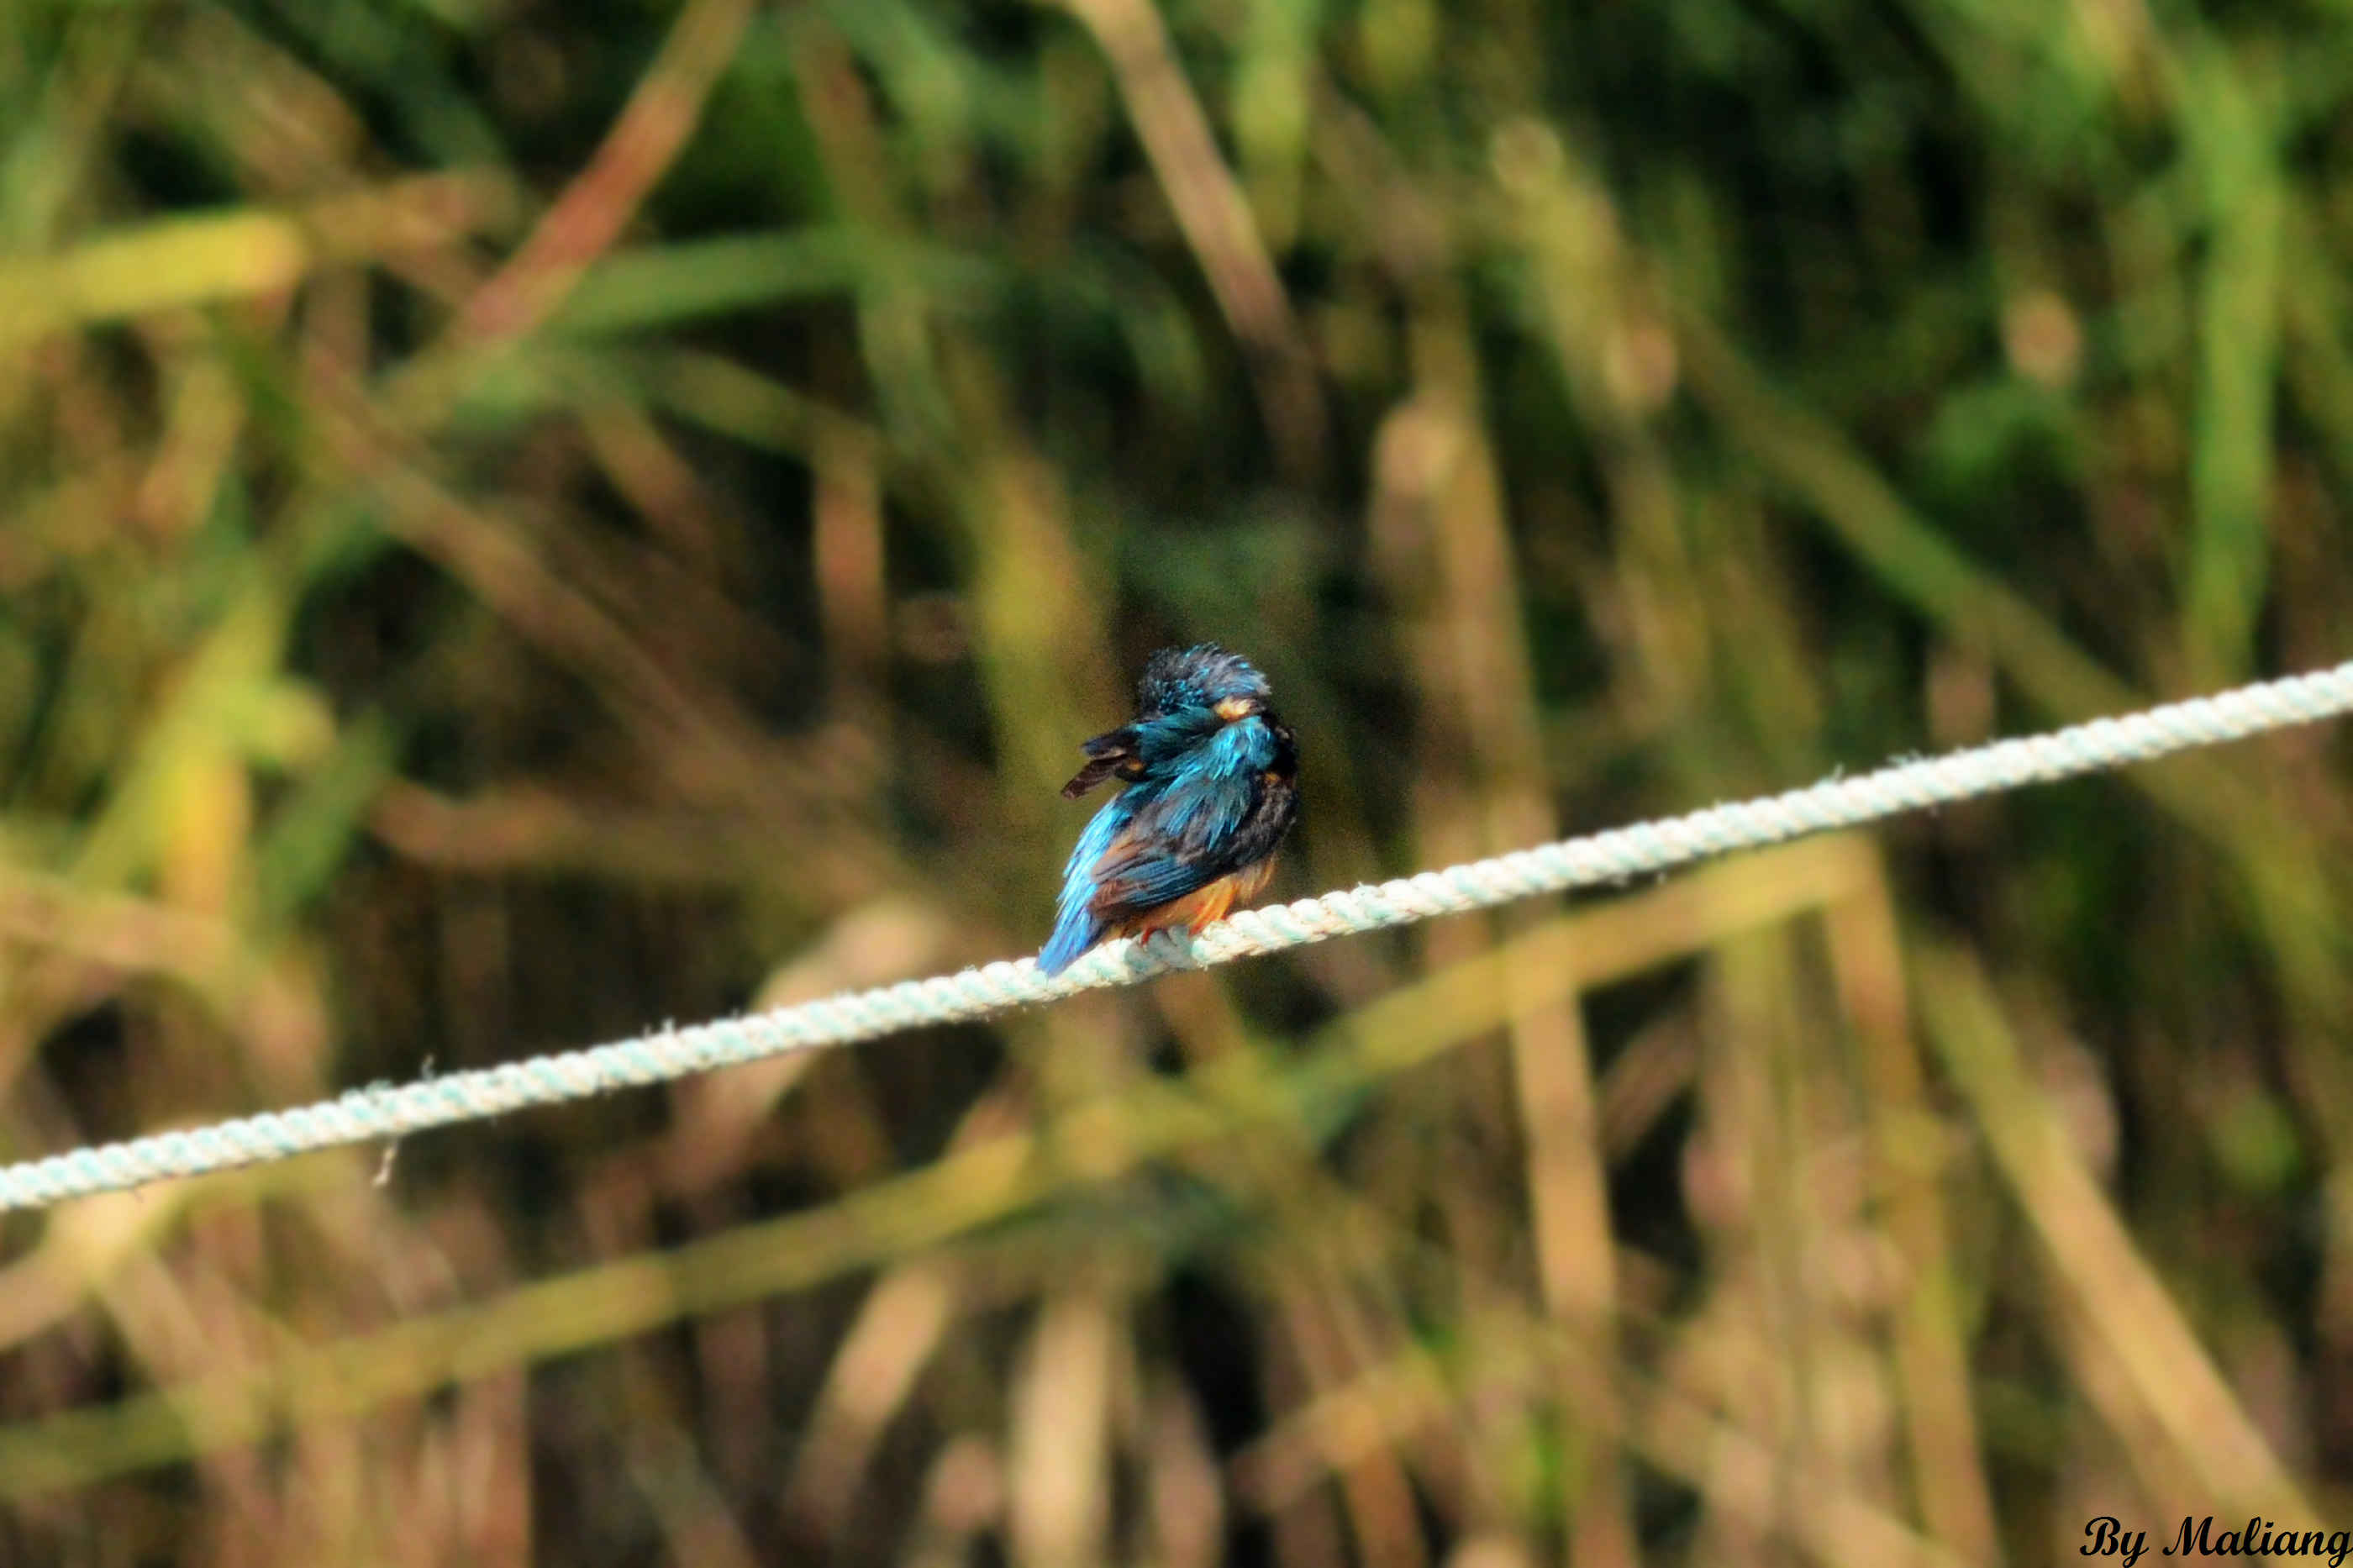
[{"x": 1204, "y": 676}]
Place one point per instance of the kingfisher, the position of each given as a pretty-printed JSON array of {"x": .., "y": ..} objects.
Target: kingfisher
[{"x": 1212, "y": 787}]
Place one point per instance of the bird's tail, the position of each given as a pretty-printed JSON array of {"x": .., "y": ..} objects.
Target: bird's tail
[{"x": 1075, "y": 932}]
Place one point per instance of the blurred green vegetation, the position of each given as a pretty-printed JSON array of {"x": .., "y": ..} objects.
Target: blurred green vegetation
[{"x": 519, "y": 521}]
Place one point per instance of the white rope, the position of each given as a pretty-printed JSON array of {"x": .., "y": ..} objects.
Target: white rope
[{"x": 388, "y": 1112}]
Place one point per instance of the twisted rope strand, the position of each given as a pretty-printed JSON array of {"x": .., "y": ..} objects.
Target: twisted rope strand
[{"x": 390, "y": 1111}]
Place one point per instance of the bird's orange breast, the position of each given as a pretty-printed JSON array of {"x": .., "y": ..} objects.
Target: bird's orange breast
[{"x": 1199, "y": 908}]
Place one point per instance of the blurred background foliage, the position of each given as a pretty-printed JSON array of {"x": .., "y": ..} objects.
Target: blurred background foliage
[{"x": 519, "y": 521}]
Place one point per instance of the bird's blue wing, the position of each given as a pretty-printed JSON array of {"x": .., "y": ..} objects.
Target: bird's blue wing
[{"x": 1182, "y": 836}]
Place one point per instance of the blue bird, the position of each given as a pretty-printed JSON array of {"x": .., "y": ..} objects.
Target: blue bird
[{"x": 1211, "y": 778}]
